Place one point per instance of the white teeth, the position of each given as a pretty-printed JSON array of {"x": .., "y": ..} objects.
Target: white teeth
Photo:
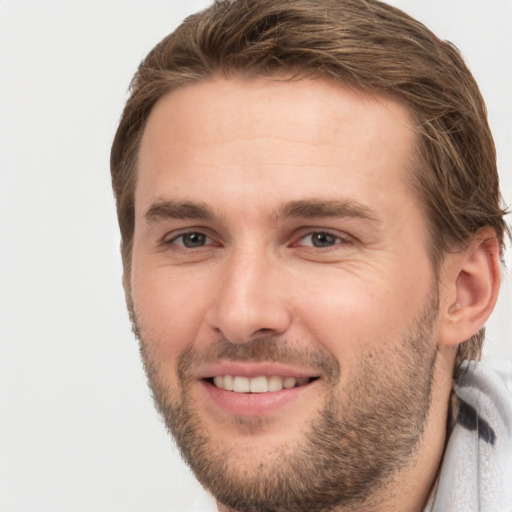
[
  {"x": 275, "y": 384},
  {"x": 227, "y": 382},
  {"x": 289, "y": 382},
  {"x": 241, "y": 385},
  {"x": 260, "y": 384}
]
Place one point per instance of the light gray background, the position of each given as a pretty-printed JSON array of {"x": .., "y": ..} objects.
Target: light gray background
[{"x": 77, "y": 427}]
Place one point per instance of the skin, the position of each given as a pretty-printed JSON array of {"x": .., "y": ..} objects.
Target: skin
[{"x": 248, "y": 154}]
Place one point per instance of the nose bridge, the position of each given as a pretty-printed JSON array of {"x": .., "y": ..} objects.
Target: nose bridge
[{"x": 249, "y": 301}]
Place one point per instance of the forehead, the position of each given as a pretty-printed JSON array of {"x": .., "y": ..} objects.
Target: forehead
[
  {"x": 272, "y": 106},
  {"x": 247, "y": 134}
]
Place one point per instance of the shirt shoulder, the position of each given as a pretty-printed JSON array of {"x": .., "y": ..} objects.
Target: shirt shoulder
[{"x": 476, "y": 472}]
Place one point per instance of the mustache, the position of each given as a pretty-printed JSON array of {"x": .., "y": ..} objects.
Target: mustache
[{"x": 258, "y": 350}]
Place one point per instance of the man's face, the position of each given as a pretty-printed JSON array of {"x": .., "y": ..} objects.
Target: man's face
[{"x": 278, "y": 249}]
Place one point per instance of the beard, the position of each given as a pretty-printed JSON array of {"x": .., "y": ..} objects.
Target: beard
[{"x": 364, "y": 434}]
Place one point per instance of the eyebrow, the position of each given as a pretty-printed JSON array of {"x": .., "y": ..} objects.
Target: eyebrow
[
  {"x": 310, "y": 208},
  {"x": 164, "y": 209},
  {"x": 336, "y": 208}
]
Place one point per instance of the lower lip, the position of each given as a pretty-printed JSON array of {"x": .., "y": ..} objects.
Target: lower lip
[{"x": 252, "y": 404}]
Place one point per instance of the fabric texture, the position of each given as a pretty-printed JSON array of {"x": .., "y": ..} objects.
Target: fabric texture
[{"x": 476, "y": 472}]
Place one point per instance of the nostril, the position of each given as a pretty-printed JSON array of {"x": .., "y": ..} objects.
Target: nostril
[{"x": 263, "y": 330}]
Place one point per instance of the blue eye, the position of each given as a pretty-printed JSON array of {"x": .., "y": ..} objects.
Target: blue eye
[{"x": 191, "y": 240}]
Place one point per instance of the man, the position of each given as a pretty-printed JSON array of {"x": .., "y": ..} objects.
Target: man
[{"x": 311, "y": 235}]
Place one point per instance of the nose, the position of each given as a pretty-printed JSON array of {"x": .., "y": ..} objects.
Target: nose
[{"x": 251, "y": 298}]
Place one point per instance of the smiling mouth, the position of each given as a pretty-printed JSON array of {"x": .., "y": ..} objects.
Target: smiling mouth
[{"x": 260, "y": 384}]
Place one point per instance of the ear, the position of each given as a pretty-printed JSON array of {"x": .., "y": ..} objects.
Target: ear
[{"x": 470, "y": 285}]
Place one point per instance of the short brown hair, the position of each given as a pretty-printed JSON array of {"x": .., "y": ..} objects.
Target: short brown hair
[{"x": 364, "y": 44}]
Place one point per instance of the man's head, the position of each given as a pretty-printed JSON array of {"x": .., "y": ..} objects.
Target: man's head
[
  {"x": 310, "y": 216},
  {"x": 369, "y": 46}
]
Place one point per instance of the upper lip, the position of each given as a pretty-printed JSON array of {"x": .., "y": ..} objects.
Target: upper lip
[{"x": 251, "y": 370}]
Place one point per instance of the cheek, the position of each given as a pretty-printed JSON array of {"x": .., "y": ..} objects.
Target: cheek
[
  {"x": 357, "y": 314},
  {"x": 170, "y": 311},
  {"x": 344, "y": 323}
]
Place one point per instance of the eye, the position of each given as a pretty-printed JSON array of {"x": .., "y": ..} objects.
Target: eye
[
  {"x": 190, "y": 240},
  {"x": 321, "y": 239}
]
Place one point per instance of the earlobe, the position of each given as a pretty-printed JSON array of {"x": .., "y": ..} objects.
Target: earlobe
[{"x": 472, "y": 281}]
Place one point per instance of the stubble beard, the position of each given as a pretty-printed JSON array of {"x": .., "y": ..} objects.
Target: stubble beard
[{"x": 364, "y": 435}]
